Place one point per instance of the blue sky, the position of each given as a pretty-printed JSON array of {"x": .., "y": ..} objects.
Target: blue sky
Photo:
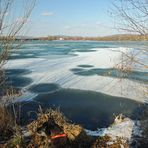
[{"x": 72, "y": 17}]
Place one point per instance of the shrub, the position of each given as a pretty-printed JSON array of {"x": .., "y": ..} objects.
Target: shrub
[{"x": 7, "y": 124}]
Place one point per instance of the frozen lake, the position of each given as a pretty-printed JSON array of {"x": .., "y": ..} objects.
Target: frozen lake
[{"x": 80, "y": 78}]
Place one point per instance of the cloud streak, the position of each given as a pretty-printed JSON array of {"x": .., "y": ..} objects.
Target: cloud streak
[{"x": 47, "y": 14}]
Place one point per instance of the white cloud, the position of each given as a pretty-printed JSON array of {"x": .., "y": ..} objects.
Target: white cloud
[
  {"x": 83, "y": 25},
  {"x": 47, "y": 14},
  {"x": 98, "y": 23},
  {"x": 67, "y": 27}
]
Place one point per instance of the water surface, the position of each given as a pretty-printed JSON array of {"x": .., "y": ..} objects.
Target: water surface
[{"x": 78, "y": 77}]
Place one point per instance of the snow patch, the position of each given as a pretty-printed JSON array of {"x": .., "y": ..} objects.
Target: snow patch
[{"x": 126, "y": 129}]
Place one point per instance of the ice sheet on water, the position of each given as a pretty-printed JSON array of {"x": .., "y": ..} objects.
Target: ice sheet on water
[{"x": 59, "y": 70}]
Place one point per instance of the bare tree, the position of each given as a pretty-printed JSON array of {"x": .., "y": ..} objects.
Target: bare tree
[
  {"x": 14, "y": 15},
  {"x": 131, "y": 16}
]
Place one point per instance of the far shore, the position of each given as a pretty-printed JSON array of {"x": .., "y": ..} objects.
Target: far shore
[{"x": 118, "y": 37}]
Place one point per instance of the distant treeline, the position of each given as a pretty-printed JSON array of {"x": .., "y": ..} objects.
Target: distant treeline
[
  {"x": 106, "y": 38},
  {"x": 123, "y": 37}
]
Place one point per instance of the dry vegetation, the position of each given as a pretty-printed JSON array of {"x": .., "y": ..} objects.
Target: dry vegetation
[
  {"x": 11, "y": 25},
  {"x": 107, "y": 142},
  {"x": 134, "y": 16},
  {"x": 7, "y": 124},
  {"x": 39, "y": 133},
  {"x": 75, "y": 134}
]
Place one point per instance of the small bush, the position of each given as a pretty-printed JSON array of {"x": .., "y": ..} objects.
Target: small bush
[
  {"x": 7, "y": 124},
  {"x": 76, "y": 135}
]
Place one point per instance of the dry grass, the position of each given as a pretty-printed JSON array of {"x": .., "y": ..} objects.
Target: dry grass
[
  {"x": 7, "y": 124},
  {"x": 75, "y": 134},
  {"x": 107, "y": 142},
  {"x": 70, "y": 130}
]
